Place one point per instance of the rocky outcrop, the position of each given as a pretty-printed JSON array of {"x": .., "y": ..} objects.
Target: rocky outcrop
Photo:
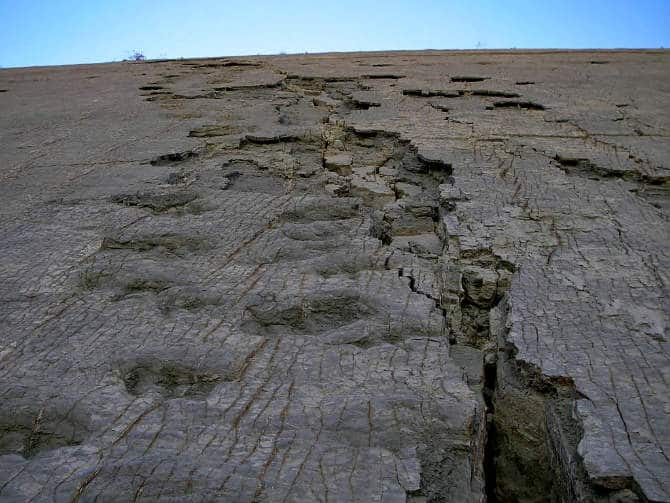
[{"x": 304, "y": 279}]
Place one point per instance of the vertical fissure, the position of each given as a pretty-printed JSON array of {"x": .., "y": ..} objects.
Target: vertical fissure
[{"x": 490, "y": 377}]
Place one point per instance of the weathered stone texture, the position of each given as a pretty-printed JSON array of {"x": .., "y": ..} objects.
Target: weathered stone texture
[{"x": 393, "y": 277}]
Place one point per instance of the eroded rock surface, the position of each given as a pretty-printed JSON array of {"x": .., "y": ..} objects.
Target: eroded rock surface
[{"x": 392, "y": 277}]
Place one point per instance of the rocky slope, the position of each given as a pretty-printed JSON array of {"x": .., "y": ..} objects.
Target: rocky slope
[{"x": 394, "y": 277}]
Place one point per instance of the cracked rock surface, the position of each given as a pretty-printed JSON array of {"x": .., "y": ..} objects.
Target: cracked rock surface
[{"x": 377, "y": 277}]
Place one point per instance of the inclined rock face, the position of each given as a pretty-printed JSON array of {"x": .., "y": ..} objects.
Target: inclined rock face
[{"x": 392, "y": 277}]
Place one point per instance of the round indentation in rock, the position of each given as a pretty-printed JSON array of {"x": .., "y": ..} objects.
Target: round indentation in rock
[
  {"x": 170, "y": 379},
  {"x": 316, "y": 314},
  {"x": 157, "y": 202},
  {"x": 28, "y": 432}
]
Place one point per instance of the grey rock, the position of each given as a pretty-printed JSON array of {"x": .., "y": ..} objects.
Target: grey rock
[{"x": 384, "y": 304}]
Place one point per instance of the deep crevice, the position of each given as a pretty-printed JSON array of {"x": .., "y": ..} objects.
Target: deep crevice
[
  {"x": 391, "y": 76},
  {"x": 488, "y": 390},
  {"x": 521, "y": 105},
  {"x": 588, "y": 169},
  {"x": 174, "y": 158},
  {"x": 468, "y": 79}
]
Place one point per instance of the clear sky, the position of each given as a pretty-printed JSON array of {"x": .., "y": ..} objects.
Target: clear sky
[{"x": 49, "y": 32}]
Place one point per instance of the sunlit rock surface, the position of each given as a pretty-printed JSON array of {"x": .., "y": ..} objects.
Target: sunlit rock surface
[{"x": 376, "y": 277}]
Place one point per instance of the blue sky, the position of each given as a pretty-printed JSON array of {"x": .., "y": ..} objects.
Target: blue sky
[{"x": 49, "y": 32}]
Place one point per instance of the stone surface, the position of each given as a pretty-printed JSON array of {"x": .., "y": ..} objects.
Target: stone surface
[
  {"x": 373, "y": 191},
  {"x": 340, "y": 162},
  {"x": 473, "y": 306}
]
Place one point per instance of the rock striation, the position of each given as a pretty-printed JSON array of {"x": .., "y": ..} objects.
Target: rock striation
[{"x": 378, "y": 277}]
